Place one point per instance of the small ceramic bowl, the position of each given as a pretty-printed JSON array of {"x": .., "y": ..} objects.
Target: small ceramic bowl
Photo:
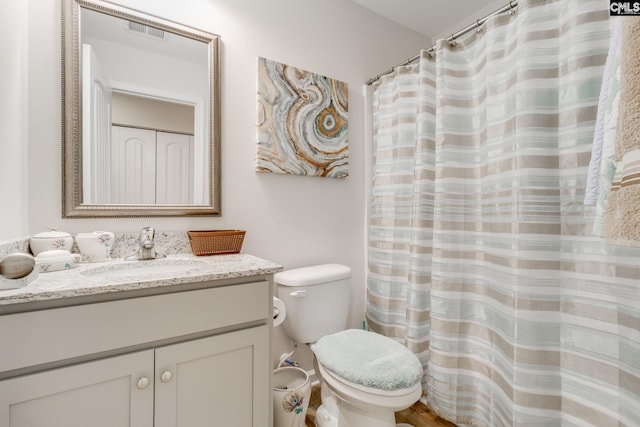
[
  {"x": 50, "y": 240},
  {"x": 56, "y": 259}
]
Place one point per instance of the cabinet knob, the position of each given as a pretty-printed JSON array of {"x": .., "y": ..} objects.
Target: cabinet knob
[
  {"x": 166, "y": 376},
  {"x": 143, "y": 383}
]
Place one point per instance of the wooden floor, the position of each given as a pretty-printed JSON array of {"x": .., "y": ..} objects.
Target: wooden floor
[{"x": 418, "y": 415}]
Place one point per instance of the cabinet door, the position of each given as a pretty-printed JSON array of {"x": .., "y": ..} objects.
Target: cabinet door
[
  {"x": 218, "y": 381},
  {"x": 104, "y": 393}
]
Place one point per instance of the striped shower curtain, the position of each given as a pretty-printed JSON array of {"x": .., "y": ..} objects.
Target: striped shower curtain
[{"x": 481, "y": 258}]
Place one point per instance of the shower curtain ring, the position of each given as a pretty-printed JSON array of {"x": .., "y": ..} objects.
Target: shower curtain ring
[
  {"x": 512, "y": 8},
  {"x": 452, "y": 41},
  {"x": 478, "y": 26}
]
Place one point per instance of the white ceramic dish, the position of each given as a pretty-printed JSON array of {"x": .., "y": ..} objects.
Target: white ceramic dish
[
  {"x": 56, "y": 259},
  {"x": 50, "y": 240}
]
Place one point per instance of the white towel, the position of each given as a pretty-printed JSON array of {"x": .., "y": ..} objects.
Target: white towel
[
  {"x": 607, "y": 92},
  {"x": 611, "y": 108},
  {"x": 607, "y": 176}
]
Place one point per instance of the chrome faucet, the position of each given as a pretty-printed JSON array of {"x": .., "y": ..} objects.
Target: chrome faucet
[{"x": 147, "y": 248}]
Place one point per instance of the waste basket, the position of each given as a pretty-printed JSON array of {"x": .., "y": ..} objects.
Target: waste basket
[{"x": 291, "y": 393}]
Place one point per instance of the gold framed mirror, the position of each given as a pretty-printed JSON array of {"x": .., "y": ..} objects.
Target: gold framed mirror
[{"x": 141, "y": 114}]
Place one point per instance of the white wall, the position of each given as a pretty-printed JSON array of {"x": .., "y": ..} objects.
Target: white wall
[
  {"x": 292, "y": 220},
  {"x": 151, "y": 72},
  {"x": 13, "y": 126},
  {"x": 468, "y": 19}
]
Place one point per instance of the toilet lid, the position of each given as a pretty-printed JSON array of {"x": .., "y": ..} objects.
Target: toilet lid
[{"x": 368, "y": 359}]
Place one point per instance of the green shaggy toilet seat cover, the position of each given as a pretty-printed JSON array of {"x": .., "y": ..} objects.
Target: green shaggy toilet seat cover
[{"x": 368, "y": 359}]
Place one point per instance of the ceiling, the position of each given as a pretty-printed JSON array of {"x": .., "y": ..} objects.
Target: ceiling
[
  {"x": 433, "y": 17},
  {"x": 110, "y": 28}
]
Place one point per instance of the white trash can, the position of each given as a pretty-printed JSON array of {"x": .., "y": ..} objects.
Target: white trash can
[{"x": 291, "y": 394}]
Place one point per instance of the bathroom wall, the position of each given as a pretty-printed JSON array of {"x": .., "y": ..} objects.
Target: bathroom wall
[
  {"x": 292, "y": 220},
  {"x": 469, "y": 18},
  {"x": 13, "y": 125}
]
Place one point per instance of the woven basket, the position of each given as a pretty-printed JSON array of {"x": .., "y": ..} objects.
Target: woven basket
[{"x": 216, "y": 242}]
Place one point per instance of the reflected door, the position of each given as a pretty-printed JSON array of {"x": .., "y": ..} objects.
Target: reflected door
[
  {"x": 133, "y": 166},
  {"x": 151, "y": 167},
  {"x": 96, "y": 110},
  {"x": 174, "y": 163}
]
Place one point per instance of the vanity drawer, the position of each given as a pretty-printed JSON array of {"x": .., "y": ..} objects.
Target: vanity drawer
[{"x": 48, "y": 336}]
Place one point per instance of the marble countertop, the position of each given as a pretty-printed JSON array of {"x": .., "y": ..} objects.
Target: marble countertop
[{"x": 106, "y": 278}]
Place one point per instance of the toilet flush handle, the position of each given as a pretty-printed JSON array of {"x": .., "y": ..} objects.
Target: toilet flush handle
[{"x": 298, "y": 294}]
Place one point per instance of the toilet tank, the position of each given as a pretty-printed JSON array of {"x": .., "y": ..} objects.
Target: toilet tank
[{"x": 316, "y": 299}]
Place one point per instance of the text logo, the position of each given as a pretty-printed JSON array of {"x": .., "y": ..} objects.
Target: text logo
[{"x": 620, "y": 8}]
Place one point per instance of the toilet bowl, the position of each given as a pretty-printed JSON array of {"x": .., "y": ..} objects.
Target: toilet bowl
[
  {"x": 358, "y": 406},
  {"x": 365, "y": 377}
]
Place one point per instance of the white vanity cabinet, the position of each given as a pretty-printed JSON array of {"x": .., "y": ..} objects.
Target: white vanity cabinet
[
  {"x": 181, "y": 359},
  {"x": 214, "y": 378},
  {"x": 102, "y": 393}
]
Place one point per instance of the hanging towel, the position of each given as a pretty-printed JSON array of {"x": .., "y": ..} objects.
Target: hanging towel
[
  {"x": 622, "y": 220},
  {"x": 607, "y": 165},
  {"x": 607, "y": 174},
  {"x": 604, "y": 120}
]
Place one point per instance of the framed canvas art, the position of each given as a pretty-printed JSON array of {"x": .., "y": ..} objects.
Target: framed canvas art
[{"x": 302, "y": 123}]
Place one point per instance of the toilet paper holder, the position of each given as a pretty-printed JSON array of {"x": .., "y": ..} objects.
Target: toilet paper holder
[{"x": 279, "y": 311}]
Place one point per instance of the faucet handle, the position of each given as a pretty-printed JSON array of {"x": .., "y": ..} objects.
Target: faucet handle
[
  {"x": 147, "y": 232},
  {"x": 147, "y": 249}
]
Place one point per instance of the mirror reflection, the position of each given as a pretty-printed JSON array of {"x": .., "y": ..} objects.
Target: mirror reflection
[{"x": 147, "y": 95}]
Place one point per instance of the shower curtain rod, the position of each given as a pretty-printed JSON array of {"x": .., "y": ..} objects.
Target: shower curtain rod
[{"x": 451, "y": 39}]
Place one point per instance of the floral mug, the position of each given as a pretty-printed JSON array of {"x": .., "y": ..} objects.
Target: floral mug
[{"x": 95, "y": 246}]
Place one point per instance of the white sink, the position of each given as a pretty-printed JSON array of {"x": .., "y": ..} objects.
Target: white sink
[{"x": 140, "y": 269}]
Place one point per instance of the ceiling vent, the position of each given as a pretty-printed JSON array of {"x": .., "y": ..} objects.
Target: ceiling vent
[{"x": 139, "y": 28}]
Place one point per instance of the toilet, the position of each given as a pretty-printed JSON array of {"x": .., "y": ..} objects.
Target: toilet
[{"x": 365, "y": 377}]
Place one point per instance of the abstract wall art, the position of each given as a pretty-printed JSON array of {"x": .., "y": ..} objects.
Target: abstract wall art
[{"x": 302, "y": 123}]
